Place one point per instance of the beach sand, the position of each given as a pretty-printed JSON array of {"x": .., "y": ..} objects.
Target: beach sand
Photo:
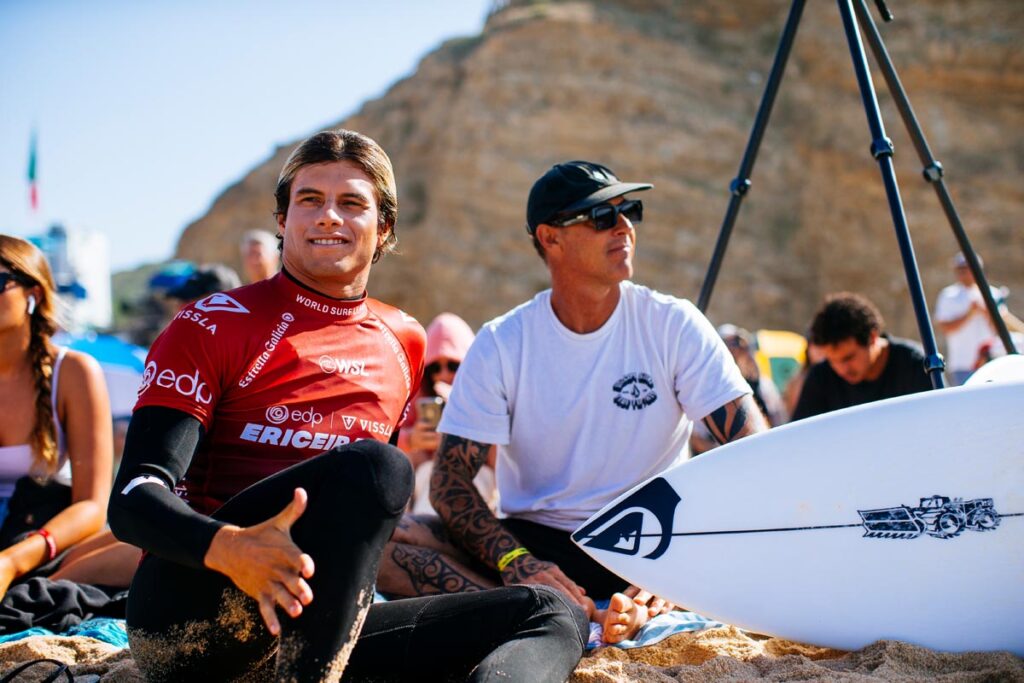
[{"x": 722, "y": 654}]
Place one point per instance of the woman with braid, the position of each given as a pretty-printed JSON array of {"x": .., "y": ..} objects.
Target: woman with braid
[{"x": 55, "y": 426}]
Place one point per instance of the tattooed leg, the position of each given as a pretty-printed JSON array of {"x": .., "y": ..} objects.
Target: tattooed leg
[
  {"x": 408, "y": 571},
  {"x": 426, "y": 531}
]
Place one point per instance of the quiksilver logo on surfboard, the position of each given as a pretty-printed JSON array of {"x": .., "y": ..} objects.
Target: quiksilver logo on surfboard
[{"x": 640, "y": 523}]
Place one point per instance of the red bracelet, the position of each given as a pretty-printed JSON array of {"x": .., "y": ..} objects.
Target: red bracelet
[{"x": 51, "y": 544}]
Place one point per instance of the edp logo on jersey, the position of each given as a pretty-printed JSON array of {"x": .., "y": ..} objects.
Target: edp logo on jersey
[
  {"x": 280, "y": 414},
  {"x": 220, "y": 302},
  {"x": 189, "y": 386}
]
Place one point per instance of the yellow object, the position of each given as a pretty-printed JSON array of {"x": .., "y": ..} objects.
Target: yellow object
[
  {"x": 507, "y": 558},
  {"x": 780, "y": 354}
]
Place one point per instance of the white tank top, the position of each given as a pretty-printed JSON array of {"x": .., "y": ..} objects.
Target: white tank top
[{"x": 18, "y": 461}]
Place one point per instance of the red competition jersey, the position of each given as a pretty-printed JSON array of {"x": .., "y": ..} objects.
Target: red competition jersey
[{"x": 277, "y": 374}]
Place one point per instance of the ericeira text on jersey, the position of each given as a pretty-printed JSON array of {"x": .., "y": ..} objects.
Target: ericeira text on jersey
[{"x": 304, "y": 427}]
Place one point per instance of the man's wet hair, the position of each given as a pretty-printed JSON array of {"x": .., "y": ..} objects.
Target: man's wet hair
[
  {"x": 346, "y": 145},
  {"x": 845, "y": 315}
]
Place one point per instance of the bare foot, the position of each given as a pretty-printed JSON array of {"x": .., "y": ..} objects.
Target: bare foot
[{"x": 623, "y": 618}]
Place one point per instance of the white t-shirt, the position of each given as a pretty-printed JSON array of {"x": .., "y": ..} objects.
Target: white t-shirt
[
  {"x": 581, "y": 418},
  {"x": 962, "y": 345}
]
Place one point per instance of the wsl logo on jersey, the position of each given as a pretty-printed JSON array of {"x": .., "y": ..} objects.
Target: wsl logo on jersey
[
  {"x": 635, "y": 391},
  {"x": 640, "y": 524}
]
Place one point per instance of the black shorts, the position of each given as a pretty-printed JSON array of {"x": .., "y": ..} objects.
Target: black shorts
[{"x": 555, "y": 545}]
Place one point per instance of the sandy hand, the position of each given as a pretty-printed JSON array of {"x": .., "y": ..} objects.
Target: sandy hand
[{"x": 265, "y": 564}]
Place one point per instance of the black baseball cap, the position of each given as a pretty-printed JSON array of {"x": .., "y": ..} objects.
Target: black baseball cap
[{"x": 573, "y": 186}]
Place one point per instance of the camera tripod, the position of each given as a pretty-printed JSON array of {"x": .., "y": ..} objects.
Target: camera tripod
[{"x": 882, "y": 150}]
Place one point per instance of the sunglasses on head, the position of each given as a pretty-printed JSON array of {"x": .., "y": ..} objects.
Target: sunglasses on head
[
  {"x": 435, "y": 367},
  {"x": 605, "y": 216},
  {"x": 7, "y": 278}
]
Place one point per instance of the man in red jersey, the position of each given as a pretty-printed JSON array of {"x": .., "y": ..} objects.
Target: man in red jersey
[{"x": 268, "y": 410}]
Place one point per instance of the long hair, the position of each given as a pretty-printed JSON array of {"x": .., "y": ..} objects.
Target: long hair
[{"x": 28, "y": 263}]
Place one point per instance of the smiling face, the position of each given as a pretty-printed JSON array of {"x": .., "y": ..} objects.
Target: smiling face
[{"x": 331, "y": 228}]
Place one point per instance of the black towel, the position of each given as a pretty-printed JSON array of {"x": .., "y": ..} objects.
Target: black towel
[{"x": 58, "y": 605}]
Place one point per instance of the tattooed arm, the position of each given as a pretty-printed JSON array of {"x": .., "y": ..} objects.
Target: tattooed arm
[
  {"x": 735, "y": 420},
  {"x": 473, "y": 526}
]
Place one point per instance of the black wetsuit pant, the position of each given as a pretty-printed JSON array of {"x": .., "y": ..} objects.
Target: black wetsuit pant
[{"x": 194, "y": 624}]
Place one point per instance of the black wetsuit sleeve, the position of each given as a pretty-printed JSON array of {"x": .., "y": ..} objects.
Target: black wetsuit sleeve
[{"x": 143, "y": 510}]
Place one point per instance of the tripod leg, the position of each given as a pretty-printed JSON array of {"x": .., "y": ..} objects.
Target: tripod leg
[
  {"x": 933, "y": 172},
  {"x": 882, "y": 150},
  {"x": 741, "y": 183}
]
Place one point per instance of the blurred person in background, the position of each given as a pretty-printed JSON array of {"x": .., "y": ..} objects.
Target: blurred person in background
[
  {"x": 207, "y": 279},
  {"x": 448, "y": 339},
  {"x": 962, "y": 316},
  {"x": 862, "y": 362},
  {"x": 260, "y": 257},
  {"x": 741, "y": 345},
  {"x": 55, "y": 426}
]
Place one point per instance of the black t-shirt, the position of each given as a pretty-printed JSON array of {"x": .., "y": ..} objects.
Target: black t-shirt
[{"x": 825, "y": 391}]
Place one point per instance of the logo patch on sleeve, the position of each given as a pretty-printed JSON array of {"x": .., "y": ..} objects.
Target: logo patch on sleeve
[{"x": 220, "y": 302}]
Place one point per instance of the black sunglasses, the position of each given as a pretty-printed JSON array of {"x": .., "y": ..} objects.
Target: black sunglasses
[
  {"x": 435, "y": 367},
  {"x": 605, "y": 216},
  {"x": 7, "y": 278}
]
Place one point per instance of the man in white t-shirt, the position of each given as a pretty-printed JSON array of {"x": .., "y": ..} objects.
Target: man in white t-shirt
[
  {"x": 587, "y": 389},
  {"x": 962, "y": 316}
]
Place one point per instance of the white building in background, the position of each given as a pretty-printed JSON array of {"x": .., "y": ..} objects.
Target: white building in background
[{"x": 80, "y": 261}]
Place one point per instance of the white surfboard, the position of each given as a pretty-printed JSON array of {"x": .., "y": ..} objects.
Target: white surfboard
[
  {"x": 902, "y": 519},
  {"x": 1003, "y": 369}
]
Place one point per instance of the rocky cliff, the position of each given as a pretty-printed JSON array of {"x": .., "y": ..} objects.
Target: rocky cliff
[{"x": 665, "y": 91}]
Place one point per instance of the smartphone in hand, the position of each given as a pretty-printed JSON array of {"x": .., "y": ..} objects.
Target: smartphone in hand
[{"x": 428, "y": 410}]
